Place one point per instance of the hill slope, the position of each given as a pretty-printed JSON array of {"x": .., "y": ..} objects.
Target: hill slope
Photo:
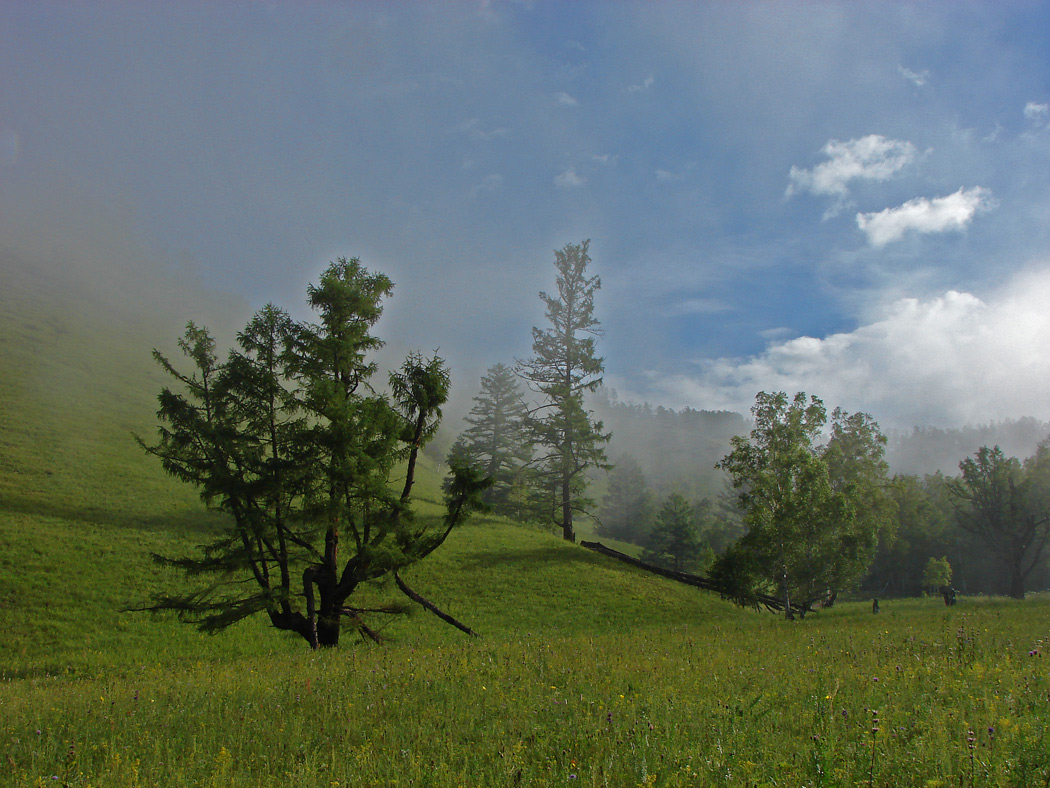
[
  {"x": 589, "y": 672},
  {"x": 81, "y": 509}
]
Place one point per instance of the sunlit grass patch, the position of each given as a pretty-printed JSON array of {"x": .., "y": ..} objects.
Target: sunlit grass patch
[{"x": 751, "y": 701}]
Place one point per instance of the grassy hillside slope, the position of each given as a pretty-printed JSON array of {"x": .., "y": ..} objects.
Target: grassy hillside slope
[
  {"x": 588, "y": 672},
  {"x": 81, "y": 508}
]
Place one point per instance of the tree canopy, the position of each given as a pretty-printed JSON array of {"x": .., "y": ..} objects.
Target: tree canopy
[
  {"x": 674, "y": 542},
  {"x": 801, "y": 501},
  {"x": 1005, "y": 505}
]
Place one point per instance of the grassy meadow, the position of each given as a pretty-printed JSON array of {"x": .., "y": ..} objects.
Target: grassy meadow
[{"x": 588, "y": 672}]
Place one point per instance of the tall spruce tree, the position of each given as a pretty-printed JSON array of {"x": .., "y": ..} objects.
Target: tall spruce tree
[
  {"x": 564, "y": 368},
  {"x": 628, "y": 507},
  {"x": 288, "y": 437},
  {"x": 674, "y": 542},
  {"x": 497, "y": 441}
]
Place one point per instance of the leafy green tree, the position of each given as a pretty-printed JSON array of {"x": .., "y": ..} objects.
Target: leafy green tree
[
  {"x": 858, "y": 471},
  {"x": 1003, "y": 504},
  {"x": 674, "y": 542},
  {"x": 497, "y": 441},
  {"x": 627, "y": 509},
  {"x": 938, "y": 573},
  {"x": 563, "y": 369},
  {"x": 785, "y": 494},
  {"x": 804, "y": 537},
  {"x": 288, "y": 437},
  {"x": 924, "y": 525}
]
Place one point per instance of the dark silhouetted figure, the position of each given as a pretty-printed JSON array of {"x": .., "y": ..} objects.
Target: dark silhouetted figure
[
  {"x": 875, "y": 606},
  {"x": 948, "y": 592}
]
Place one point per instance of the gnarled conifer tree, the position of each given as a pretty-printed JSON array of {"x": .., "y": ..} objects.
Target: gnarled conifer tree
[{"x": 289, "y": 438}]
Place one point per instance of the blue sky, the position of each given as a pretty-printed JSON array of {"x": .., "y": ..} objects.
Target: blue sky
[{"x": 848, "y": 199}]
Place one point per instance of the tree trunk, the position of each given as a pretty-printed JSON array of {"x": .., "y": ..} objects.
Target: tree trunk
[
  {"x": 329, "y": 619},
  {"x": 1016, "y": 581},
  {"x": 566, "y": 510}
]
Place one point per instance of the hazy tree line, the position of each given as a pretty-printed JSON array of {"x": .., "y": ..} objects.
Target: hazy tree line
[
  {"x": 803, "y": 506},
  {"x": 925, "y": 450},
  {"x": 982, "y": 530}
]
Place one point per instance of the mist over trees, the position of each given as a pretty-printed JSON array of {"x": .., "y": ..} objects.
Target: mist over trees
[
  {"x": 1005, "y": 505},
  {"x": 815, "y": 510},
  {"x": 925, "y": 450},
  {"x": 629, "y": 504},
  {"x": 676, "y": 450}
]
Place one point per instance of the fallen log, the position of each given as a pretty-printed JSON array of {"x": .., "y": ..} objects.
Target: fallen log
[{"x": 771, "y": 603}]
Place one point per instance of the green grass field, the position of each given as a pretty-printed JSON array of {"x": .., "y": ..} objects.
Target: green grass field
[{"x": 587, "y": 672}]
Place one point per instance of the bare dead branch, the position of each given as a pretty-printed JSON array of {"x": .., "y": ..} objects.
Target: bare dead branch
[{"x": 432, "y": 608}]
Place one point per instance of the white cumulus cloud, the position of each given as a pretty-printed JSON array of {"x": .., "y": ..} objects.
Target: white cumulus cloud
[
  {"x": 948, "y": 360},
  {"x": 1038, "y": 113},
  {"x": 921, "y": 215},
  {"x": 872, "y": 157},
  {"x": 645, "y": 84},
  {"x": 565, "y": 100},
  {"x": 917, "y": 78},
  {"x": 569, "y": 179}
]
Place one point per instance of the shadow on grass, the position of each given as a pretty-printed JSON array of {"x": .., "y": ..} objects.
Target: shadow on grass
[
  {"x": 553, "y": 555},
  {"x": 185, "y": 522}
]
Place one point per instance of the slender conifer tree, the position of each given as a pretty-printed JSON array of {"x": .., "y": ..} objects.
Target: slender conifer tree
[{"x": 563, "y": 369}]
